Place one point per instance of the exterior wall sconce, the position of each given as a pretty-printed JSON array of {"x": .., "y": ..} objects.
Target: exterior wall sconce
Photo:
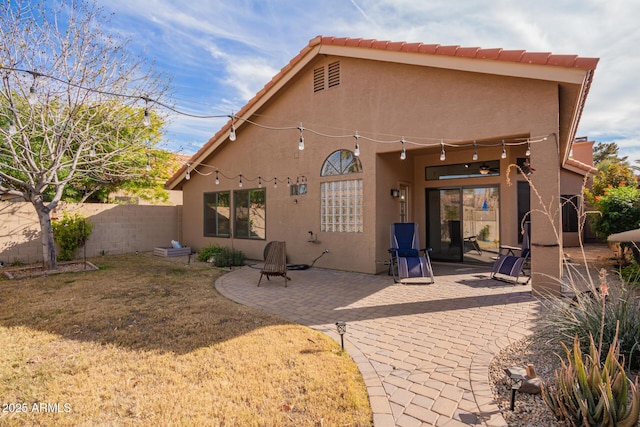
[
  {"x": 395, "y": 193},
  {"x": 342, "y": 329},
  {"x": 516, "y": 378}
]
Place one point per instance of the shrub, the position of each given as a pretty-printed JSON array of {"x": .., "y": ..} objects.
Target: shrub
[
  {"x": 70, "y": 233},
  {"x": 206, "y": 253},
  {"x": 590, "y": 393},
  {"x": 228, "y": 257},
  {"x": 610, "y": 312},
  {"x": 620, "y": 211},
  {"x": 631, "y": 274}
]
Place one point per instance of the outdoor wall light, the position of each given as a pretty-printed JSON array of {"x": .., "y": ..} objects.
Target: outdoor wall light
[
  {"x": 342, "y": 329},
  {"x": 395, "y": 193},
  {"x": 516, "y": 378}
]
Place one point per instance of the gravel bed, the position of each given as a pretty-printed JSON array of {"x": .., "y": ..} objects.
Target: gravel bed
[{"x": 530, "y": 409}]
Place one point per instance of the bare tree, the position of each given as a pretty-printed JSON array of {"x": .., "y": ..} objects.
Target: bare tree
[{"x": 73, "y": 104}]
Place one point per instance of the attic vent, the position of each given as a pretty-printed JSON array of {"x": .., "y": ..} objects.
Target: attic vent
[
  {"x": 334, "y": 74},
  {"x": 318, "y": 79}
]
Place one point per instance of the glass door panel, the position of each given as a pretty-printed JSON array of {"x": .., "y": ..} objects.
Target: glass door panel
[
  {"x": 481, "y": 223},
  {"x": 444, "y": 224}
]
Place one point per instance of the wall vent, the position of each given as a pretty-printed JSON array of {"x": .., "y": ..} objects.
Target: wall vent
[
  {"x": 334, "y": 74},
  {"x": 318, "y": 79}
]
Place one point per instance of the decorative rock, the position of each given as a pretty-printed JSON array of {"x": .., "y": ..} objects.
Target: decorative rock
[{"x": 530, "y": 386}]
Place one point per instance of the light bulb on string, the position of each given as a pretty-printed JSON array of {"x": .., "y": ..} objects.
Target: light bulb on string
[
  {"x": 475, "y": 152},
  {"x": 504, "y": 151},
  {"x": 288, "y": 182},
  {"x": 259, "y": 182},
  {"x": 188, "y": 174},
  {"x": 232, "y": 131},
  {"x": 32, "y": 99},
  {"x": 301, "y": 143},
  {"x": 33, "y": 96},
  {"x": 443, "y": 156},
  {"x": 147, "y": 118},
  {"x": 528, "y": 152},
  {"x": 217, "y": 179},
  {"x": 275, "y": 182},
  {"x": 403, "y": 152},
  {"x": 356, "y": 151},
  {"x": 240, "y": 182}
]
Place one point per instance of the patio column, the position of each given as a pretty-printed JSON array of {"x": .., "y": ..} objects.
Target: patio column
[{"x": 546, "y": 221}]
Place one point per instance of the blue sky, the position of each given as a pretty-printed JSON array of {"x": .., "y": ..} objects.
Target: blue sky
[{"x": 220, "y": 53}]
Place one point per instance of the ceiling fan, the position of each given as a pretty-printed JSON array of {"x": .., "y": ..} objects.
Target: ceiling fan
[{"x": 485, "y": 169}]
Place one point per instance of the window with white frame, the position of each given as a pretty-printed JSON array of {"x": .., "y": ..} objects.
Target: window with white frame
[{"x": 341, "y": 199}]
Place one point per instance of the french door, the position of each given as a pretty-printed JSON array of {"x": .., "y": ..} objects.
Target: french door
[{"x": 462, "y": 222}]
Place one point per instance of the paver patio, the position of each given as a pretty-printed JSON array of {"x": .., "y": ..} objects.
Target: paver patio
[{"x": 423, "y": 350}]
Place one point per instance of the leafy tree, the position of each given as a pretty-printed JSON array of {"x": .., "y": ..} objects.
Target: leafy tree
[
  {"x": 86, "y": 125},
  {"x": 611, "y": 173},
  {"x": 607, "y": 151},
  {"x": 619, "y": 208}
]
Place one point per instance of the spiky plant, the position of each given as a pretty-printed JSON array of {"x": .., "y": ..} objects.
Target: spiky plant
[{"x": 588, "y": 392}]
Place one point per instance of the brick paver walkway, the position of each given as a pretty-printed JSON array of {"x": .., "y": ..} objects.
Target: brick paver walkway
[{"x": 423, "y": 350}]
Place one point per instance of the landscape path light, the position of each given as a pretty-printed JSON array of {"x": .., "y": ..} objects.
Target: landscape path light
[
  {"x": 342, "y": 329},
  {"x": 516, "y": 378}
]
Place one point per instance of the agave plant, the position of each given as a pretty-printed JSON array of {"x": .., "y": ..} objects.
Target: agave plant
[{"x": 593, "y": 393}]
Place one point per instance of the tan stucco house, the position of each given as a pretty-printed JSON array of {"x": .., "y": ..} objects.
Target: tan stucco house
[{"x": 353, "y": 135}]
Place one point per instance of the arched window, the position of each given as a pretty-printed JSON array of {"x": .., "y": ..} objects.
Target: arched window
[
  {"x": 341, "y": 199},
  {"x": 341, "y": 162}
]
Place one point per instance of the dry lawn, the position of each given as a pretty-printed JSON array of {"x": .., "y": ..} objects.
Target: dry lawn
[{"x": 146, "y": 341}]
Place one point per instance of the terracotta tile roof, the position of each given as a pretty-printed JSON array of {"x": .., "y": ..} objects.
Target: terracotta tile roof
[
  {"x": 539, "y": 58},
  {"x": 521, "y": 56}
]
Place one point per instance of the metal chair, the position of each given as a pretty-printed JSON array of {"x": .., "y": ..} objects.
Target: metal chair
[{"x": 508, "y": 266}]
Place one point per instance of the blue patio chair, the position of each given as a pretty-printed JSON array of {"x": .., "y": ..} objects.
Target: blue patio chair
[
  {"x": 408, "y": 261},
  {"x": 508, "y": 265}
]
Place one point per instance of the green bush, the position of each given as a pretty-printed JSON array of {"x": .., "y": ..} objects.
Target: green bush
[
  {"x": 206, "y": 253},
  {"x": 70, "y": 233},
  {"x": 610, "y": 312},
  {"x": 228, "y": 257},
  {"x": 588, "y": 392},
  {"x": 620, "y": 211},
  {"x": 631, "y": 274}
]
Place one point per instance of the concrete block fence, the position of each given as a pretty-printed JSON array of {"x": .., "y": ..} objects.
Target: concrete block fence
[{"x": 117, "y": 229}]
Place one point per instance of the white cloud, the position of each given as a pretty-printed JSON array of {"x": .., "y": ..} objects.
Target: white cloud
[{"x": 222, "y": 53}]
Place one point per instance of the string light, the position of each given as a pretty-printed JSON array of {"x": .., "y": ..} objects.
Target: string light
[
  {"x": 475, "y": 152},
  {"x": 217, "y": 179},
  {"x": 275, "y": 182},
  {"x": 232, "y": 131},
  {"x": 403, "y": 153},
  {"x": 33, "y": 98},
  {"x": 288, "y": 182},
  {"x": 504, "y": 151},
  {"x": 528, "y": 152},
  {"x": 240, "y": 181},
  {"x": 259, "y": 182},
  {"x": 188, "y": 174},
  {"x": 147, "y": 118},
  {"x": 301, "y": 143}
]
